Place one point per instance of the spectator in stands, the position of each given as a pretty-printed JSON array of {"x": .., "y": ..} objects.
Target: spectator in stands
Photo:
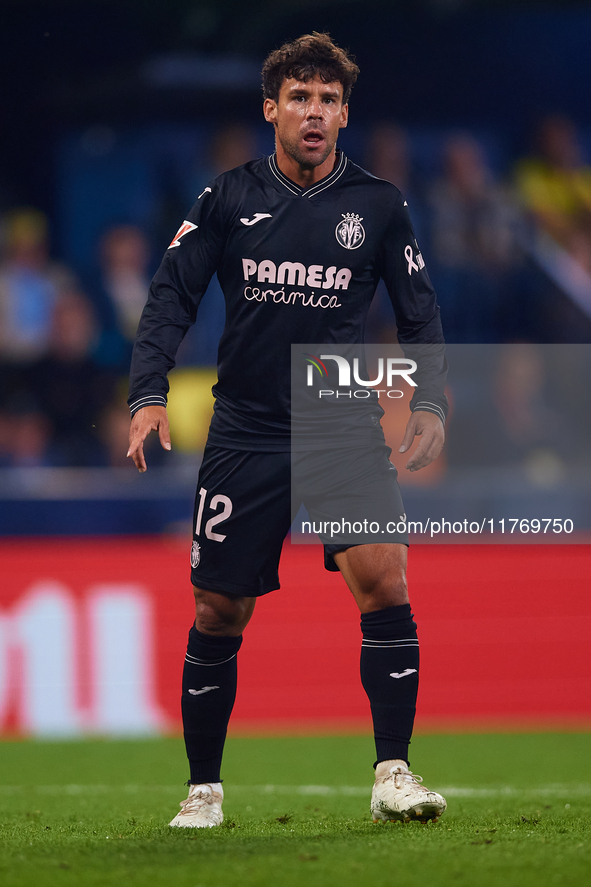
[
  {"x": 24, "y": 435},
  {"x": 124, "y": 265},
  {"x": 508, "y": 412},
  {"x": 231, "y": 146},
  {"x": 119, "y": 291},
  {"x": 29, "y": 439},
  {"x": 30, "y": 286},
  {"x": 555, "y": 186},
  {"x": 69, "y": 388},
  {"x": 474, "y": 244},
  {"x": 388, "y": 154},
  {"x": 388, "y": 157},
  {"x": 114, "y": 431}
]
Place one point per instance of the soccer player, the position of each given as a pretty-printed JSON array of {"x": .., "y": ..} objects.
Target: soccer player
[{"x": 299, "y": 241}]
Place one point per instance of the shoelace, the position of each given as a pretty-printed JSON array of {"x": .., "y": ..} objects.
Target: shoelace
[
  {"x": 401, "y": 776},
  {"x": 193, "y": 802}
]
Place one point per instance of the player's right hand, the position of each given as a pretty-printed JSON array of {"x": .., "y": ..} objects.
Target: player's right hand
[{"x": 145, "y": 420}]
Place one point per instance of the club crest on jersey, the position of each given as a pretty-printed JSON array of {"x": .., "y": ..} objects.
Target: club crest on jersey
[
  {"x": 195, "y": 554},
  {"x": 184, "y": 229},
  {"x": 350, "y": 233}
]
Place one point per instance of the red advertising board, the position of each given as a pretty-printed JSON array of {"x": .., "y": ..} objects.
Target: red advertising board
[{"x": 93, "y": 632}]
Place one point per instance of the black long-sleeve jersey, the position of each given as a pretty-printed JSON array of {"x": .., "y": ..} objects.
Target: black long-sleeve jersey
[{"x": 296, "y": 265}]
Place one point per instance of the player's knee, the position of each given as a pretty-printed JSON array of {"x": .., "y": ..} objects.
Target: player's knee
[
  {"x": 212, "y": 621},
  {"x": 221, "y": 615},
  {"x": 400, "y": 589},
  {"x": 386, "y": 590}
]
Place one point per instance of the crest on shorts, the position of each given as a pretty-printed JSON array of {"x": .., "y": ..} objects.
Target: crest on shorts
[
  {"x": 195, "y": 554},
  {"x": 350, "y": 233}
]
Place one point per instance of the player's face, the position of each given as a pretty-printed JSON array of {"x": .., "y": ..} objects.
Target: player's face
[{"x": 307, "y": 117}]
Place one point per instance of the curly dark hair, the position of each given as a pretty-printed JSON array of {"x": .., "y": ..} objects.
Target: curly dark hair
[{"x": 311, "y": 55}]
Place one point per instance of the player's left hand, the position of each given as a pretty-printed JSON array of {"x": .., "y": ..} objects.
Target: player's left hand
[{"x": 430, "y": 428}]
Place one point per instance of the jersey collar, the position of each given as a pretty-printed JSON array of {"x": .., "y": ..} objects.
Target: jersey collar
[{"x": 315, "y": 189}]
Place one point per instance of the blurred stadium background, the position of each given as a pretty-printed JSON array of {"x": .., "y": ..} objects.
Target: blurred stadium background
[{"x": 115, "y": 114}]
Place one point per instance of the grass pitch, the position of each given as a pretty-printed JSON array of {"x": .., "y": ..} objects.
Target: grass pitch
[{"x": 96, "y": 813}]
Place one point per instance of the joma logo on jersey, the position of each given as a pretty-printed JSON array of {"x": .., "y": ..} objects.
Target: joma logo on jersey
[
  {"x": 296, "y": 274},
  {"x": 350, "y": 233}
]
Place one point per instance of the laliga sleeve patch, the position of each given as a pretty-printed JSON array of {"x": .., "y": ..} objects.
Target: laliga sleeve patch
[{"x": 185, "y": 228}]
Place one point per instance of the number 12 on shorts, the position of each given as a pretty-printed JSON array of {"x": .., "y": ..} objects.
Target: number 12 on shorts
[{"x": 223, "y": 515}]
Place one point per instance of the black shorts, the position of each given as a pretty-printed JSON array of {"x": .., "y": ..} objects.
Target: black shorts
[{"x": 244, "y": 509}]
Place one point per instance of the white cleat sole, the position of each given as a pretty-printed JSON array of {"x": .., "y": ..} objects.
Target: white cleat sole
[
  {"x": 174, "y": 824},
  {"x": 424, "y": 814}
]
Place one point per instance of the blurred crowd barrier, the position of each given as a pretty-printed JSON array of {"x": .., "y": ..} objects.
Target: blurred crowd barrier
[
  {"x": 516, "y": 467},
  {"x": 92, "y": 634}
]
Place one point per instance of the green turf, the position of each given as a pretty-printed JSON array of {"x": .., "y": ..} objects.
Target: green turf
[{"x": 96, "y": 813}]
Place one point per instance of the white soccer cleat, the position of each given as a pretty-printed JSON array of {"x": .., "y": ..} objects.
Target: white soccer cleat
[
  {"x": 203, "y": 807},
  {"x": 398, "y": 795}
]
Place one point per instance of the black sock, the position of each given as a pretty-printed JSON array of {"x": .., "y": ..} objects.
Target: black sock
[
  {"x": 209, "y": 690},
  {"x": 390, "y": 677}
]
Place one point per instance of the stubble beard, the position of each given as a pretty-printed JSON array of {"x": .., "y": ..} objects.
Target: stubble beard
[{"x": 302, "y": 158}]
